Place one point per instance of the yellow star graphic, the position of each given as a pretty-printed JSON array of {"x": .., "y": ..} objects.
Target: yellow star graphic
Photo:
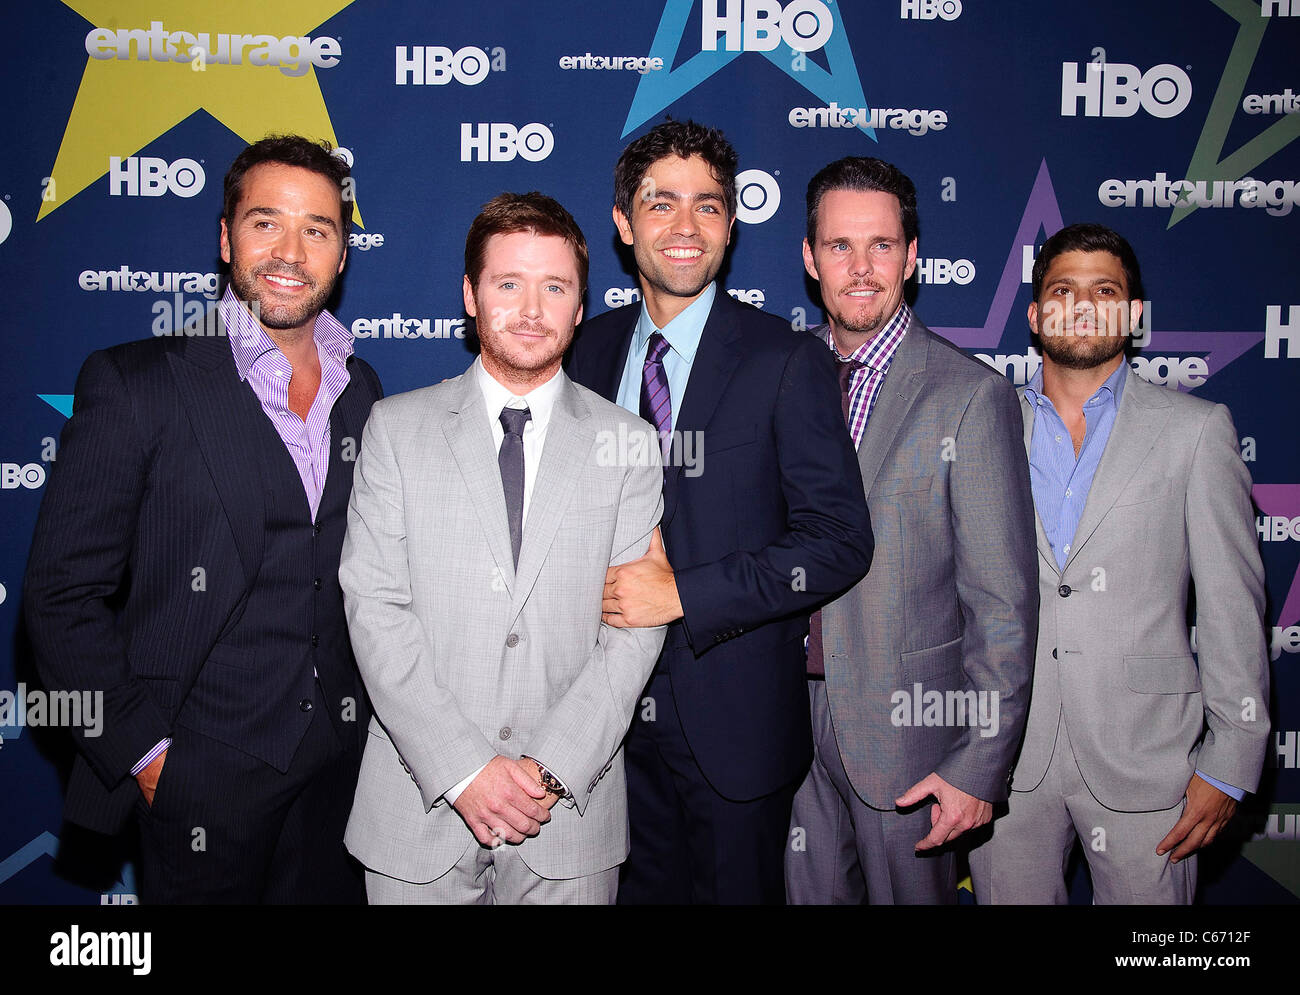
[{"x": 124, "y": 104}]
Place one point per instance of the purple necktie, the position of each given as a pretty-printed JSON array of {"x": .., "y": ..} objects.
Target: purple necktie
[
  {"x": 656, "y": 405},
  {"x": 816, "y": 653}
]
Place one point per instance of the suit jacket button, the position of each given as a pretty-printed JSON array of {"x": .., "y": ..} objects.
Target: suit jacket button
[
  {"x": 315, "y": 530},
  {"x": 305, "y": 705},
  {"x": 1064, "y": 590},
  {"x": 316, "y": 583},
  {"x": 1053, "y": 652},
  {"x": 504, "y": 733},
  {"x": 315, "y": 639},
  {"x": 512, "y": 640}
]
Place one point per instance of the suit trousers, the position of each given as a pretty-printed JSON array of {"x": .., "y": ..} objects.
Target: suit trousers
[
  {"x": 690, "y": 845},
  {"x": 843, "y": 851},
  {"x": 493, "y": 876},
  {"x": 1025, "y": 860},
  {"x": 226, "y": 827}
]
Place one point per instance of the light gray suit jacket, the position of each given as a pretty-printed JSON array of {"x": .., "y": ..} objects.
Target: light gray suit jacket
[
  {"x": 950, "y": 602},
  {"x": 466, "y": 659},
  {"x": 1169, "y": 505}
]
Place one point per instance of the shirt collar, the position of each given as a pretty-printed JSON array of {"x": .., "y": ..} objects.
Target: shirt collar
[
  {"x": 878, "y": 351},
  {"x": 683, "y": 333},
  {"x": 1110, "y": 392},
  {"x": 539, "y": 401},
  {"x": 249, "y": 341}
]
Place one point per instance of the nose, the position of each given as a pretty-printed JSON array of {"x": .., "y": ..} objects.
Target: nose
[
  {"x": 685, "y": 223},
  {"x": 532, "y": 303},
  {"x": 860, "y": 263},
  {"x": 290, "y": 247}
]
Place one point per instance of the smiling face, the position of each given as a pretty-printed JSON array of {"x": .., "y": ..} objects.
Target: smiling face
[
  {"x": 1084, "y": 315},
  {"x": 678, "y": 231},
  {"x": 526, "y": 305},
  {"x": 861, "y": 261},
  {"x": 285, "y": 246}
]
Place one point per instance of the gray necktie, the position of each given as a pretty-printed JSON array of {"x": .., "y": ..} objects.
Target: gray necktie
[{"x": 511, "y": 461}]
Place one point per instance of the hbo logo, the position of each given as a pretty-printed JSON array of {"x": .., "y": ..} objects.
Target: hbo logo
[
  {"x": 1118, "y": 90},
  {"x": 928, "y": 10},
  {"x": 29, "y": 475},
  {"x": 502, "y": 142},
  {"x": 436, "y": 65},
  {"x": 938, "y": 271},
  {"x": 1277, "y": 528},
  {"x": 762, "y": 25},
  {"x": 145, "y": 176}
]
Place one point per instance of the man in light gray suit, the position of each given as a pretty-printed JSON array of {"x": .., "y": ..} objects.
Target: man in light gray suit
[
  {"x": 918, "y": 676},
  {"x": 484, "y": 515},
  {"x": 1132, "y": 745}
]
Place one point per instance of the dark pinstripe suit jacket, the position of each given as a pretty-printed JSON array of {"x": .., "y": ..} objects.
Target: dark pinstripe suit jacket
[{"x": 158, "y": 474}]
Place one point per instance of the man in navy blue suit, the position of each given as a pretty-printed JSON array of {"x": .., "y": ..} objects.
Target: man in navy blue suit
[
  {"x": 185, "y": 562},
  {"x": 764, "y": 519}
]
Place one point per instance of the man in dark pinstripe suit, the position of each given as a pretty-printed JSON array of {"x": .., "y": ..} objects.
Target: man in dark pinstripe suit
[{"x": 185, "y": 563}]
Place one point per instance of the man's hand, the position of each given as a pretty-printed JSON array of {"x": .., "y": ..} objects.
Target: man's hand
[
  {"x": 534, "y": 771},
  {"x": 955, "y": 812},
  {"x": 1207, "y": 811},
  {"x": 642, "y": 593},
  {"x": 503, "y": 804},
  {"x": 148, "y": 778}
]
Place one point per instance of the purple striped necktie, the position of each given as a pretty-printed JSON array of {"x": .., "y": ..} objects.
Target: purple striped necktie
[{"x": 656, "y": 405}]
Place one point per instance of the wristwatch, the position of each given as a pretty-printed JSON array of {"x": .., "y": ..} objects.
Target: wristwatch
[{"x": 549, "y": 781}]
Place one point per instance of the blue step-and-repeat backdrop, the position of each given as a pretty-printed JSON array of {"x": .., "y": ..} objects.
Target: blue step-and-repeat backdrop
[{"x": 1177, "y": 124}]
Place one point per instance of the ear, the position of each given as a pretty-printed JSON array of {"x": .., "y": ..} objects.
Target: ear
[
  {"x": 1134, "y": 315},
  {"x": 808, "y": 262},
  {"x": 225, "y": 242},
  {"x": 468, "y": 291},
  {"x": 1032, "y": 315},
  {"x": 624, "y": 226},
  {"x": 911, "y": 260},
  {"x": 577, "y": 318},
  {"x": 731, "y": 228},
  {"x": 343, "y": 258}
]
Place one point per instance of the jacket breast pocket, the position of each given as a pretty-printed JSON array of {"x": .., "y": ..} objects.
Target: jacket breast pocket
[{"x": 1162, "y": 674}]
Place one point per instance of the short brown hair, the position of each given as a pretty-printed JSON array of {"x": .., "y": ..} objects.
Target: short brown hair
[
  {"x": 681, "y": 139},
  {"x": 508, "y": 213},
  {"x": 290, "y": 150}
]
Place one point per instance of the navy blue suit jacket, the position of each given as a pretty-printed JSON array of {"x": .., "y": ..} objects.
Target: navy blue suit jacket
[
  {"x": 160, "y": 473},
  {"x": 772, "y": 525}
]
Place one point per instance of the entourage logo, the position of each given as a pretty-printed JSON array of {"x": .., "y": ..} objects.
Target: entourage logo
[
  {"x": 914, "y": 122},
  {"x": 950, "y": 708},
  {"x": 1163, "y": 371},
  {"x": 1277, "y": 197},
  {"x": 622, "y": 296},
  {"x": 52, "y": 709},
  {"x": 292, "y": 55},
  {"x": 636, "y": 63},
  {"x": 365, "y": 241},
  {"x": 1116, "y": 89},
  {"x": 92, "y": 949},
  {"x": 1285, "y": 102},
  {"x": 126, "y": 280},
  {"x": 398, "y": 327},
  {"x": 434, "y": 65},
  {"x": 147, "y": 176},
  {"x": 503, "y": 142},
  {"x": 1279, "y": 8}
]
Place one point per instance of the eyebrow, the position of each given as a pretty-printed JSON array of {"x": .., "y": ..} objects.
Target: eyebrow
[
  {"x": 275, "y": 212},
  {"x": 662, "y": 194},
  {"x": 553, "y": 278},
  {"x": 873, "y": 239}
]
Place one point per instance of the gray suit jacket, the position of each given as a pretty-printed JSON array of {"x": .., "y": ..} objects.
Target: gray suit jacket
[
  {"x": 1169, "y": 505},
  {"x": 465, "y": 658},
  {"x": 950, "y": 602}
]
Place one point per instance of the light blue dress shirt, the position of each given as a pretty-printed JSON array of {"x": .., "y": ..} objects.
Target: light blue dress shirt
[
  {"x": 1061, "y": 480},
  {"x": 683, "y": 335}
]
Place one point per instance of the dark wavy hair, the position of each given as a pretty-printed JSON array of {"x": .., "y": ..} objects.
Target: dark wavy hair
[{"x": 675, "y": 138}]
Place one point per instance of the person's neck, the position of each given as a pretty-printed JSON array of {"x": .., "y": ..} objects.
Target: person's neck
[
  {"x": 1068, "y": 389},
  {"x": 297, "y": 344},
  {"x": 663, "y": 307},
  {"x": 518, "y": 382}
]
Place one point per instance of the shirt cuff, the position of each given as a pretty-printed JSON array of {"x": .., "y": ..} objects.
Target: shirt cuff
[
  {"x": 454, "y": 792},
  {"x": 1235, "y": 793},
  {"x": 151, "y": 756}
]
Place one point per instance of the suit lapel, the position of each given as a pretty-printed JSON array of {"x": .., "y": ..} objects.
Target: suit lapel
[
  {"x": 569, "y": 439},
  {"x": 1044, "y": 547},
  {"x": 902, "y": 384},
  {"x": 470, "y": 440},
  {"x": 716, "y": 360},
  {"x": 1141, "y": 418},
  {"x": 223, "y": 412},
  {"x": 604, "y": 370}
]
